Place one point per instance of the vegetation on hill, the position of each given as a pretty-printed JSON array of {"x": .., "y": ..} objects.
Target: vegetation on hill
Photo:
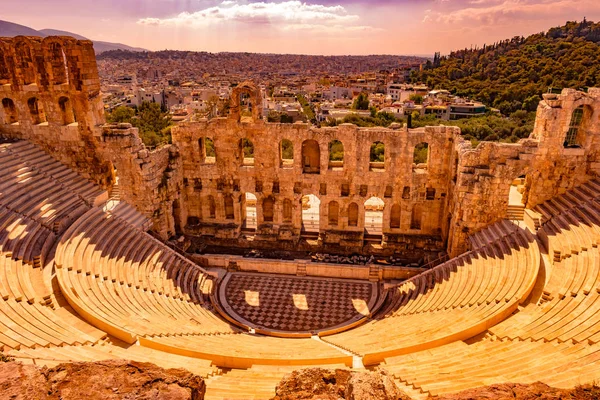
[
  {"x": 154, "y": 124},
  {"x": 511, "y": 75},
  {"x": 381, "y": 118}
]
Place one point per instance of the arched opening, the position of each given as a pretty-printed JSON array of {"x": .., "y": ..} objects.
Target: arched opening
[
  {"x": 36, "y": 111},
  {"x": 58, "y": 60},
  {"x": 25, "y": 63},
  {"x": 228, "y": 203},
  {"x": 247, "y": 152},
  {"x": 210, "y": 155},
  {"x": 421, "y": 156},
  {"x": 374, "y": 216},
  {"x": 10, "y": 111},
  {"x": 311, "y": 157},
  {"x": 395, "y": 216},
  {"x": 333, "y": 213},
  {"x": 268, "y": 206},
  {"x": 336, "y": 155},
  {"x": 287, "y": 210},
  {"x": 575, "y": 136},
  {"x": 311, "y": 206},
  {"x": 353, "y": 214},
  {"x": 66, "y": 111},
  {"x": 246, "y": 105},
  {"x": 416, "y": 217},
  {"x": 4, "y": 72},
  {"x": 377, "y": 157},
  {"x": 249, "y": 210},
  {"x": 212, "y": 208},
  {"x": 286, "y": 152}
]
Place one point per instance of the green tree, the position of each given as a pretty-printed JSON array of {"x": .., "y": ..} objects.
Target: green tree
[
  {"x": 121, "y": 114},
  {"x": 361, "y": 102},
  {"x": 417, "y": 98}
]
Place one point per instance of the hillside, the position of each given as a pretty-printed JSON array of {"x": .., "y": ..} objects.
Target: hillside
[
  {"x": 512, "y": 74},
  {"x": 10, "y": 29}
]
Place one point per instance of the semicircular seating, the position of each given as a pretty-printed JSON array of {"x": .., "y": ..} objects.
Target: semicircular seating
[{"x": 453, "y": 301}]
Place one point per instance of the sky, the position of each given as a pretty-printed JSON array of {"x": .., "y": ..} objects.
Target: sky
[{"x": 403, "y": 27}]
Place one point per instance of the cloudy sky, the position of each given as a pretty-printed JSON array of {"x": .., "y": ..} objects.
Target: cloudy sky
[{"x": 294, "y": 26}]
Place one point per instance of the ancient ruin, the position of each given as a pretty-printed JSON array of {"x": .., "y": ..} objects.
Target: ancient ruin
[{"x": 87, "y": 275}]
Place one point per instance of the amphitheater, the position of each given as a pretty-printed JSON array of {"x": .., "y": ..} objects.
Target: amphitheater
[{"x": 510, "y": 291}]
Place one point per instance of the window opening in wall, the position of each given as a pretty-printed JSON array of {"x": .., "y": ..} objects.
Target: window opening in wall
[
  {"x": 212, "y": 207},
  {"x": 336, "y": 155},
  {"x": 333, "y": 213},
  {"x": 268, "y": 206},
  {"x": 10, "y": 111},
  {"x": 249, "y": 212},
  {"x": 36, "y": 111},
  {"x": 374, "y": 216},
  {"x": 275, "y": 187},
  {"x": 311, "y": 206},
  {"x": 353, "y": 214},
  {"x": 311, "y": 157},
  {"x": 430, "y": 194},
  {"x": 406, "y": 193},
  {"x": 246, "y": 105},
  {"x": 345, "y": 191},
  {"x": 377, "y": 157},
  {"x": 229, "y": 213},
  {"x": 574, "y": 126},
  {"x": 66, "y": 111},
  {"x": 58, "y": 61},
  {"x": 395, "y": 216},
  {"x": 25, "y": 63},
  {"x": 416, "y": 217},
  {"x": 4, "y": 72},
  {"x": 287, "y": 153},
  {"x": 287, "y": 210},
  {"x": 247, "y": 149},
  {"x": 206, "y": 148},
  {"x": 421, "y": 156},
  {"x": 388, "y": 192}
]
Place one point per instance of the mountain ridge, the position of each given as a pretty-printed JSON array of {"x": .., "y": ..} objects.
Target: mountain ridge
[{"x": 11, "y": 29}]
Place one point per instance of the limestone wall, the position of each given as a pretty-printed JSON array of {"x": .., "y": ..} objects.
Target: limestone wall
[
  {"x": 396, "y": 181},
  {"x": 50, "y": 95}
]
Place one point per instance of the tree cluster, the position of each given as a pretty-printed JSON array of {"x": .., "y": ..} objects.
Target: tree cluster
[{"x": 153, "y": 122}]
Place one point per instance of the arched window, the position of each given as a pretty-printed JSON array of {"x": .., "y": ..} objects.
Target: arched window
[
  {"x": 286, "y": 152},
  {"x": 336, "y": 154},
  {"x": 416, "y": 217},
  {"x": 334, "y": 211},
  {"x": 10, "y": 111},
  {"x": 66, "y": 111},
  {"x": 36, "y": 111},
  {"x": 287, "y": 210},
  {"x": 247, "y": 152},
  {"x": 228, "y": 200},
  {"x": 374, "y": 216},
  {"x": 24, "y": 62},
  {"x": 311, "y": 157},
  {"x": 246, "y": 105},
  {"x": 311, "y": 213},
  {"x": 395, "y": 216},
  {"x": 377, "y": 157},
  {"x": 58, "y": 60},
  {"x": 353, "y": 214},
  {"x": 267, "y": 206},
  {"x": 212, "y": 208},
  {"x": 571, "y": 140},
  {"x": 4, "y": 72},
  {"x": 421, "y": 155}
]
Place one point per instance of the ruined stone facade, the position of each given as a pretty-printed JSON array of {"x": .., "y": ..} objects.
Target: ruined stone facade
[
  {"x": 50, "y": 95},
  {"x": 49, "y": 92}
]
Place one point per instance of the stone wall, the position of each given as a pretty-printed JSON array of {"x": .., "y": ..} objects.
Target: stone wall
[
  {"x": 211, "y": 182},
  {"x": 50, "y": 95}
]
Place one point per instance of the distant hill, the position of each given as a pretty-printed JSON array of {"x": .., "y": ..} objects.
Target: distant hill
[
  {"x": 10, "y": 29},
  {"x": 512, "y": 74}
]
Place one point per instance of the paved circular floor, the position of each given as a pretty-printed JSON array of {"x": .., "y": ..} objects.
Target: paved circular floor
[{"x": 293, "y": 304}]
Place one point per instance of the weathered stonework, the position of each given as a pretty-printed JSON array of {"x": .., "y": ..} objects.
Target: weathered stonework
[{"x": 49, "y": 93}]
